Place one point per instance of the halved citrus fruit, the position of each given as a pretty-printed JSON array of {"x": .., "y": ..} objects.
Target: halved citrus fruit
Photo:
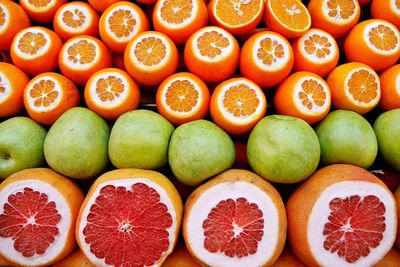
[
  {"x": 81, "y": 56},
  {"x": 179, "y": 19},
  {"x": 212, "y": 53},
  {"x": 237, "y": 105},
  {"x": 315, "y": 51},
  {"x": 304, "y": 95},
  {"x": 35, "y": 50},
  {"x": 151, "y": 57},
  {"x": 121, "y": 22},
  {"x": 266, "y": 58},
  {"x": 180, "y": 257},
  {"x": 388, "y": 10},
  {"x": 12, "y": 20},
  {"x": 38, "y": 210},
  {"x": 336, "y": 17},
  {"x": 287, "y": 17},
  {"x": 238, "y": 16},
  {"x": 75, "y": 259},
  {"x": 42, "y": 11},
  {"x": 397, "y": 198},
  {"x": 12, "y": 84},
  {"x": 130, "y": 217},
  {"x": 183, "y": 97},
  {"x": 373, "y": 42},
  {"x": 288, "y": 259},
  {"x": 354, "y": 86},
  {"x": 76, "y": 18},
  {"x": 390, "y": 88},
  {"x": 111, "y": 92},
  {"x": 48, "y": 96},
  {"x": 101, "y": 5},
  {"x": 341, "y": 216},
  {"x": 235, "y": 219}
]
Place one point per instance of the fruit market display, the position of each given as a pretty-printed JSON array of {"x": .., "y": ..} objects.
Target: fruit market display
[{"x": 186, "y": 133}]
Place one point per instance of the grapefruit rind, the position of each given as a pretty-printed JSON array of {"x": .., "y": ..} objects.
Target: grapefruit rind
[
  {"x": 6, "y": 85},
  {"x": 57, "y": 88},
  {"x": 6, "y": 23},
  {"x": 40, "y": 52},
  {"x": 181, "y": 25},
  {"x": 64, "y": 55},
  {"x": 319, "y": 61},
  {"x": 339, "y": 21},
  {"x": 71, "y": 8},
  {"x": 374, "y": 24}
]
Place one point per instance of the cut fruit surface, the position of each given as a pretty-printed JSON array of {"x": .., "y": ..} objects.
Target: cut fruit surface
[{"x": 41, "y": 11}]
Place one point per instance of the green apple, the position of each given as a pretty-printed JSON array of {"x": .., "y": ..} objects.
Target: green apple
[
  {"x": 347, "y": 137},
  {"x": 387, "y": 130},
  {"x": 76, "y": 145},
  {"x": 139, "y": 139},
  {"x": 199, "y": 150},
  {"x": 21, "y": 145},
  {"x": 283, "y": 149}
]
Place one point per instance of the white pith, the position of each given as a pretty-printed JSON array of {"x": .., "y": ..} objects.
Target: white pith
[
  {"x": 79, "y": 66},
  {"x": 117, "y": 101},
  {"x": 237, "y": 9},
  {"x": 185, "y": 23},
  {"x": 127, "y": 183},
  {"x": 135, "y": 16},
  {"x": 6, "y": 18},
  {"x": 225, "y": 51},
  {"x": 374, "y": 24},
  {"x": 339, "y": 20},
  {"x": 31, "y": 100},
  {"x": 138, "y": 63},
  {"x": 241, "y": 120},
  {"x": 72, "y": 7},
  {"x": 40, "y": 52},
  {"x": 280, "y": 62},
  {"x": 290, "y": 10},
  {"x": 232, "y": 190},
  {"x": 321, "y": 211},
  {"x": 315, "y": 109},
  {"x": 313, "y": 57},
  {"x": 351, "y": 97},
  {"x": 394, "y": 7},
  {"x": 7, "y": 244},
  {"x": 51, "y": 4},
  {"x": 5, "y": 83}
]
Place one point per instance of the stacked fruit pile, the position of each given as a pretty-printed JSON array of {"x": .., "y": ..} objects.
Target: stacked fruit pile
[{"x": 196, "y": 132}]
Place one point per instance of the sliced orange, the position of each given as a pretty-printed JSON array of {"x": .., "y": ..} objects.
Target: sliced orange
[
  {"x": 390, "y": 87},
  {"x": 183, "y": 97},
  {"x": 151, "y": 57},
  {"x": 179, "y": 19},
  {"x": 12, "y": 84},
  {"x": 373, "y": 42},
  {"x": 237, "y": 105},
  {"x": 83, "y": 55},
  {"x": 35, "y": 50},
  {"x": 266, "y": 58},
  {"x": 237, "y": 16},
  {"x": 121, "y": 22},
  {"x": 48, "y": 96},
  {"x": 76, "y": 18},
  {"x": 354, "y": 86},
  {"x": 337, "y": 17},
  {"x": 101, "y": 5},
  {"x": 287, "y": 17},
  {"x": 42, "y": 11},
  {"x": 315, "y": 51},
  {"x": 111, "y": 92},
  {"x": 304, "y": 95},
  {"x": 212, "y": 53},
  {"x": 388, "y": 10},
  {"x": 12, "y": 20}
]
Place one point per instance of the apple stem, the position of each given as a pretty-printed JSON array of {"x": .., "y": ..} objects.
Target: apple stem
[{"x": 6, "y": 156}]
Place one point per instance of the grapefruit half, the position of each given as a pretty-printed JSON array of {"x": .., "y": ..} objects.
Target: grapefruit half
[
  {"x": 235, "y": 219},
  {"x": 397, "y": 197},
  {"x": 130, "y": 217}
]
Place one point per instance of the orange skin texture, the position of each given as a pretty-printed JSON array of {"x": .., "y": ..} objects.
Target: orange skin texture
[
  {"x": 81, "y": 76},
  {"x": 381, "y": 9},
  {"x": 304, "y": 63},
  {"x": 180, "y": 257},
  {"x": 284, "y": 98},
  {"x": 216, "y": 71},
  {"x": 69, "y": 190},
  {"x": 4, "y": 262},
  {"x": 19, "y": 21},
  {"x": 70, "y": 99},
  {"x": 76, "y": 259},
  {"x": 92, "y": 30},
  {"x": 319, "y": 21},
  {"x": 42, "y": 16},
  {"x": 181, "y": 35},
  {"x": 357, "y": 49},
  {"x": 108, "y": 38},
  {"x": 392, "y": 259},
  {"x": 175, "y": 118},
  {"x": 132, "y": 174},
  {"x": 238, "y": 175},
  {"x": 155, "y": 75},
  {"x": 18, "y": 80},
  {"x": 251, "y": 70},
  {"x": 39, "y": 64},
  {"x": 301, "y": 203},
  {"x": 288, "y": 259},
  {"x": 390, "y": 98},
  {"x": 131, "y": 101},
  {"x": 397, "y": 198},
  {"x": 101, "y": 5}
]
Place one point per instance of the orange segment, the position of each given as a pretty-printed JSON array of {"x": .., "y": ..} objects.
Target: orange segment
[
  {"x": 240, "y": 101},
  {"x": 211, "y": 44},
  {"x": 74, "y": 19},
  {"x": 341, "y": 9},
  {"x": 2, "y": 18},
  {"x": 388, "y": 10},
  {"x": 44, "y": 94},
  {"x": 181, "y": 96},
  {"x": 383, "y": 38},
  {"x": 150, "y": 51},
  {"x": 121, "y": 23},
  {"x": 30, "y": 43},
  {"x": 363, "y": 86},
  {"x": 82, "y": 52},
  {"x": 176, "y": 11},
  {"x": 270, "y": 51},
  {"x": 110, "y": 88},
  {"x": 42, "y": 11}
]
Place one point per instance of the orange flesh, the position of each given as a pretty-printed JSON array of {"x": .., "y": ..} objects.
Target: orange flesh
[
  {"x": 182, "y": 96},
  {"x": 39, "y": 3},
  {"x": 44, "y": 93},
  {"x": 318, "y": 45},
  {"x": 109, "y": 88},
  {"x": 312, "y": 89},
  {"x": 363, "y": 86},
  {"x": 269, "y": 51},
  {"x": 2, "y": 88},
  {"x": 291, "y": 13},
  {"x": 150, "y": 51},
  {"x": 176, "y": 11},
  {"x": 341, "y": 9},
  {"x": 210, "y": 44},
  {"x": 383, "y": 38},
  {"x": 122, "y": 23},
  {"x": 31, "y": 43},
  {"x": 2, "y": 16},
  {"x": 73, "y": 19},
  {"x": 82, "y": 52},
  {"x": 237, "y": 12},
  {"x": 397, "y": 4},
  {"x": 241, "y": 100}
]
